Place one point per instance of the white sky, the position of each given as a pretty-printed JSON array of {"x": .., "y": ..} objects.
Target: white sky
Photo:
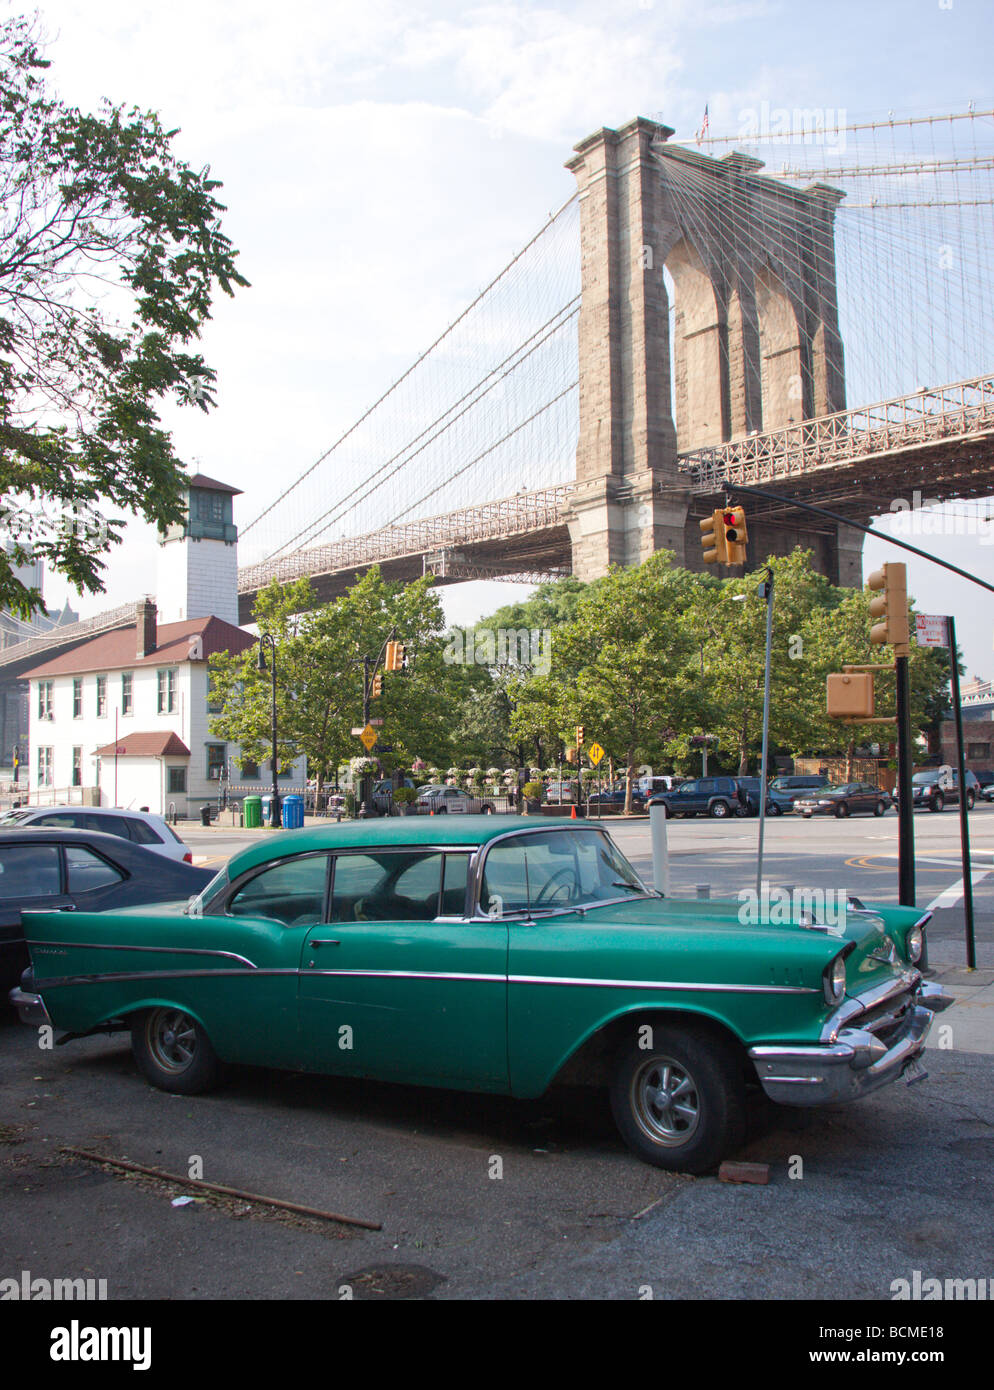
[{"x": 382, "y": 160}]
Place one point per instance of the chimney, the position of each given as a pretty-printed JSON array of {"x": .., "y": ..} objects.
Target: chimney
[{"x": 145, "y": 623}]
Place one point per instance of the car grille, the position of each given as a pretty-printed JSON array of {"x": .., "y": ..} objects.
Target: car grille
[{"x": 886, "y": 1019}]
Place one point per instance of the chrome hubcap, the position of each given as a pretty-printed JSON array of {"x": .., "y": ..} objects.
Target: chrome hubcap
[
  {"x": 172, "y": 1039},
  {"x": 665, "y": 1100}
]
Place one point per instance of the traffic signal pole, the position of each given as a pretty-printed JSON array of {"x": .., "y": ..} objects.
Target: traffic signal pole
[
  {"x": 765, "y": 591},
  {"x": 964, "y": 830},
  {"x": 905, "y": 806}
]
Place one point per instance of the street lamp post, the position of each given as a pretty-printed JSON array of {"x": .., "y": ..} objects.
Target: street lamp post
[{"x": 264, "y": 638}]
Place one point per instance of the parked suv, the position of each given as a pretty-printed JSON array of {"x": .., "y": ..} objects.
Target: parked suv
[
  {"x": 140, "y": 826},
  {"x": 938, "y": 786},
  {"x": 706, "y": 796},
  {"x": 750, "y": 787},
  {"x": 786, "y": 790},
  {"x": 383, "y": 795}
]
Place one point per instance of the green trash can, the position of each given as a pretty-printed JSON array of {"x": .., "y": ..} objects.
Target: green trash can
[{"x": 252, "y": 810}]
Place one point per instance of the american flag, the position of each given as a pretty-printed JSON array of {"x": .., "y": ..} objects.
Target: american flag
[{"x": 704, "y": 126}]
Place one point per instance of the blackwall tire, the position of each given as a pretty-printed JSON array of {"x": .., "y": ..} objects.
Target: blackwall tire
[
  {"x": 173, "y": 1052},
  {"x": 680, "y": 1104}
]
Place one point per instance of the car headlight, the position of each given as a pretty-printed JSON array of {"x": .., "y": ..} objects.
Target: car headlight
[
  {"x": 914, "y": 944},
  {"x": 834, "y": 981}
]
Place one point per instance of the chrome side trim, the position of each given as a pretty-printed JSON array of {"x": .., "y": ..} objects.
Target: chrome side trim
[
  {"x": 119, "y": 977},
  {"x": 661, "y": 984},
  {"x": 40, "y": 947}
]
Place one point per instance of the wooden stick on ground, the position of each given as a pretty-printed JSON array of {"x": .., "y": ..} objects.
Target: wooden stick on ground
[{"x": 202, "y": 1186}]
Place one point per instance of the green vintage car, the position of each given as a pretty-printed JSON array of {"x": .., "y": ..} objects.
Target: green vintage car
[{"x": 466, "y": 954}]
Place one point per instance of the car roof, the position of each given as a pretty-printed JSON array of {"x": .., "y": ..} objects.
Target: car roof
[
  {"x": 87, "y": 810},
  {"x": 465, "y": 832},
  {"x": 12, "y": 835}
]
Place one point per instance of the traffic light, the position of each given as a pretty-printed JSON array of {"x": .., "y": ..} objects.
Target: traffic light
[
  {"x": 396, "y": 657},
  {"x": 571, "y": 755},
  {"x": 579, "y": 735},
  {"x": 377, "y": 689},
  {"x": 713, "y": 539},
  {"x": 890, "y": 605},
  {"x": 733, "y": 525}
]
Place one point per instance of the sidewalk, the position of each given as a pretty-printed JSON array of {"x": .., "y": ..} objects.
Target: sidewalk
[{"x": 972, "y": 1016}]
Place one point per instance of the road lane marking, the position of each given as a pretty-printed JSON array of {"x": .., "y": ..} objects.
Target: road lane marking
[{"x": 950, "y": 896}]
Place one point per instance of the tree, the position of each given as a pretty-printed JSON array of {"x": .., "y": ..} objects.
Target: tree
[{"x": 111, "y": 249}]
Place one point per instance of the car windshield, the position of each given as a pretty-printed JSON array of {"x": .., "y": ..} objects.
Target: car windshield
[
  {"x": 555, "y": 869},
  {"x": 924, "y": 779},
  {"x": 197, "y": 906},
  {"x": 14, "y": 817}
]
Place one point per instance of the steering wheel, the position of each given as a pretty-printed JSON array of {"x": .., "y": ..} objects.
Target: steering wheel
[{"x": 564, "y": 881}]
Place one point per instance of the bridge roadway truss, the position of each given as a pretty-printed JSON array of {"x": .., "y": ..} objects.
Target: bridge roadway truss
[{"x": 939, "y": 442}]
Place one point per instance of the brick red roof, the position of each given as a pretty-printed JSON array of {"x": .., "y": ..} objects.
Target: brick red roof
[
  {"x": 146, "y": 745},
  {"x": 201, "y": 480},
  {"x": 117, "y": 650}
]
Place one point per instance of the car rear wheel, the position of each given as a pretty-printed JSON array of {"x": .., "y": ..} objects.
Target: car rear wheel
[
  {"x": 719, "y": 810},
  {"x": 174, "y": 1053},
  {"x": 774, "y": 810},
  {"x": 681, "y": 1104},
  {"x": 842, "y": 810},
  {"x": 969, "y": 801},
  {"x": 880, "y": 809}
]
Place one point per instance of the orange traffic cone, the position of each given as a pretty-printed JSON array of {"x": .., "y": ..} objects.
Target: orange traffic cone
[{"x": 572, "y": 814}]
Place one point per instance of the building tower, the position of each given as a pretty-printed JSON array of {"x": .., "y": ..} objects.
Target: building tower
[{"x": 198, "y": 559}]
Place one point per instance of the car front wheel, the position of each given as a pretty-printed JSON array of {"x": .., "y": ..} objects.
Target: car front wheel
[
  {"x": 937, "y": 803},
  {"x": 680, "y": 1104},
  {"x": 880, "y": 809},
  {"x": 174, "y": 1053},
  {"x": 841, "y": 810}
]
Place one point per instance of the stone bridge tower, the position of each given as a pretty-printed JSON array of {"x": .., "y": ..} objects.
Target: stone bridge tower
[{"x": 756, "y": 339}]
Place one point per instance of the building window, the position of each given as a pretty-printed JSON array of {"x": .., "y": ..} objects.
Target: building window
[
  {"x": 45, "y": 700},
  {"x": 77, "y": 697},
  {"x": 175, "y": 779},
  {"x": 282, "y": 774},
  {"x": 167, "y": 690},
  {"x": 978, "y": 750},
  {"x": 215, "y": 761},
  {"x": 214, "y": 703},
  {"x": 44, "y": 767},
  {"x": 127, "y": 696},
  {"x": 101, "y": 696},
  {"x": 250, "y": 769},
  {"x": 77, "y": 767}
]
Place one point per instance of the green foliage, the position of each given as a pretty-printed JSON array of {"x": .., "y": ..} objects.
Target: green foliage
[
  {"x": 533, "y": 791},
  {"x": 89, "y": 201}
]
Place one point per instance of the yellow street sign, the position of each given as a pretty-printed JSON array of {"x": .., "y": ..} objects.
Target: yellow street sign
[
  {"x": 369, "y": 737},
  {"x": 595, "y": 753}
]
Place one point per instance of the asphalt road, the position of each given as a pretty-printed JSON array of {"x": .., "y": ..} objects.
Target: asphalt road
[{"x": 901, "y": 1181}]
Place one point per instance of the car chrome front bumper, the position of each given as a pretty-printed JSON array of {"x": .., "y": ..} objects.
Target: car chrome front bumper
[
  {"x": 30, "y": 1007},
  {"x": 855, "y": 1063}
]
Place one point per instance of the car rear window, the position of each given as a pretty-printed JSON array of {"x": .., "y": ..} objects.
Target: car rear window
[{"x": 143, "y": 833}]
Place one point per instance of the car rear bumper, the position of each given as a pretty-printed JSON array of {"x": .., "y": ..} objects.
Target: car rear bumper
[
  {"x": 30, "y": 1007},
  {"x": 857, "y": 1061}
]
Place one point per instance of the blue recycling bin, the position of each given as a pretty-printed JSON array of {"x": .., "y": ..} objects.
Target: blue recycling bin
[{"x": 293, "y": 812}]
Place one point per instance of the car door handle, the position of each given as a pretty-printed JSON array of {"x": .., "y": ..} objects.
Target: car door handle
[{"x": 324, "y": 941}]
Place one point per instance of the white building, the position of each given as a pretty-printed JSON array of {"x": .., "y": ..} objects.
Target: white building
[{"x": 123, "y": 719}]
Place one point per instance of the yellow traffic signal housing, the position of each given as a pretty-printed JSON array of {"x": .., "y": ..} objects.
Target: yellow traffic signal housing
[
  {"x": 850, "y": 696},
  {"x": 571, "y": 755},
  {"x": 377, "y": 689},
  {"x": 890, "y": 605},
  {"x": 395, "y": 658},
  {"x": 733, "y": 525},
  {"x": 579, "y": 735},
  {"x": 713, "y": 539}
]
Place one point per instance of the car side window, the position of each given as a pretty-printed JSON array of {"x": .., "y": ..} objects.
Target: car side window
[
  {"x": 385, "y": 887},
  {"x": 29, "y": 871},
  {"x": 291, "y": 892},
  {"x": 59, "y": 819},
  {"x": 86, "y": 870}
]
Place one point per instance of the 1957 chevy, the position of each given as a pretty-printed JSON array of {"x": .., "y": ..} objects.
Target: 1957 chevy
[{"x": 464, "y": 954}]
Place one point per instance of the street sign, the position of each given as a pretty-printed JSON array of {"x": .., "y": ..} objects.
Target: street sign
[
  {"x": 368, "y": 737},
  {"x": 595, "y": 753},
  {"x": 376, "y": 723},
  {"x": 931, "y": 630}
]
